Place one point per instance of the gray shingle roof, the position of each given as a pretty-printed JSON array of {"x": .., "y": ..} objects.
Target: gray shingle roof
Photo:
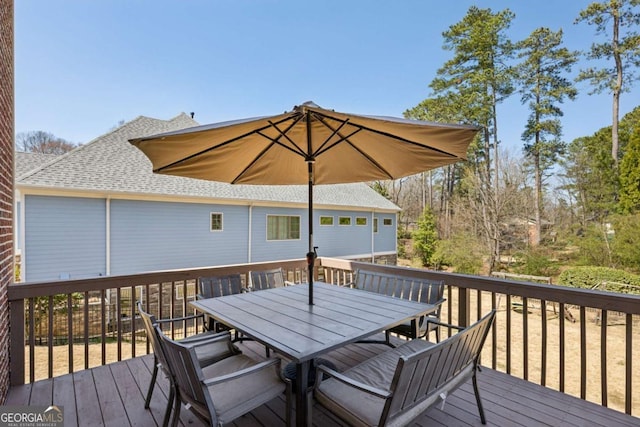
[
  {"x": 26, "y": 162},
  {"x": 111, "y": 165}
]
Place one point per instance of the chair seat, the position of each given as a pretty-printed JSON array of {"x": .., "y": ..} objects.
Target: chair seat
[
  {"x": 377, "y": 372},
  {"x": 238, "y": 396}
]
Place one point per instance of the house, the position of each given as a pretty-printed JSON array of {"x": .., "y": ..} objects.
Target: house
[{"x": 99, "y": 210}]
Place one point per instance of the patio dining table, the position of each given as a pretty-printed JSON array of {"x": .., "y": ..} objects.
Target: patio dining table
[{"x": 282, "y": 319}]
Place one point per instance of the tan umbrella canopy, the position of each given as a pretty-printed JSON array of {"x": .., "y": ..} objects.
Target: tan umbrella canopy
[{"x": 308, "y": 145}]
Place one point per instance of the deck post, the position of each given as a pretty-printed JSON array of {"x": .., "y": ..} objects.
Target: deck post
[{"x": 16, "y": 364}]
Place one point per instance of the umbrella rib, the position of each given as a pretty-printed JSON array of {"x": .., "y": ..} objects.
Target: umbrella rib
[
  {"x": 387, "y": 134},
  {"x": 346, "y": 139},
  {"x": 230, "y": 141},
  {"x": 274, "y": 141}
]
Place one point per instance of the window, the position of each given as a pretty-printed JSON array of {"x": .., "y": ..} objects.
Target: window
[
  {"x": 326, "y": 220},
  {"x": 344, "y": 220},
  {"x": 387, "y": 221},
  {"x": 281, "y": 227},
  {"x": 375, "y": 225},
  {"x": 361, "y": 220},
  {"x": 216, "y": 221}
]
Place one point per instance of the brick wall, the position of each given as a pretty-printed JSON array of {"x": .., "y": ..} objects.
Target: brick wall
[{"x": 6, "y": 183}]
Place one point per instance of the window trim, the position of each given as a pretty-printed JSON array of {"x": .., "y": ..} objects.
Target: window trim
[
  {"x": 387, "y": 220},
  {"x": 286, "y": 216},
  {"x": 211, "y": 214},
  {"x": 340, "y": 218},
  {"x": 326, "y": 216},
  {"x": 366, "y": 221}
]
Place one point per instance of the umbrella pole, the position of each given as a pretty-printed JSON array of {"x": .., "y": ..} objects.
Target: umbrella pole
[{"x": 311, "y": 256}]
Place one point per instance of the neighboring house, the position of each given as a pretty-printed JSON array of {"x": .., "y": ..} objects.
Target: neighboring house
[{"x": 99, "y": 210}]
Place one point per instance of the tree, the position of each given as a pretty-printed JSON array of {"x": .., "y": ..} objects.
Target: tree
[
  {"x": 592, "y": 178},
  {"x": 543, "y": 87},
  {"x": 42, "y": 142},
  {"x": 480, "y": 78},
  {"x": 630, "y": 175},
  {"x": 618, "y": 20},
  {"x": 425, "y": 237}
]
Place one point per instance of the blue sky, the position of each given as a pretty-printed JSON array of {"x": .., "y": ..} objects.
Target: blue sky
[{"x": 83, "y": 66}]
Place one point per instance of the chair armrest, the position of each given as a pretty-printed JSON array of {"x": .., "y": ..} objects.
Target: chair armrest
[
  {"x": 206, "y": 338},
  {"x": 241, "y": 373},
  {"x": 180, "y": 319},
  {"x": 199, "y": 296},
  {"x": 384, "y": 394},
  {"x": 431, "y": 324}
]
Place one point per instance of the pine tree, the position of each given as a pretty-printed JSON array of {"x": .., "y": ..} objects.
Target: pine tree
[{"x": 543, "y": 86}]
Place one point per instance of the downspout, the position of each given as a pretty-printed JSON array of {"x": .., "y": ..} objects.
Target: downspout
[
  {"x": 249, "y": 237},
  {"x": 373, "y": 237},
  {"x": 22, "y": 236},
  {"x": 108, "y": 235}
]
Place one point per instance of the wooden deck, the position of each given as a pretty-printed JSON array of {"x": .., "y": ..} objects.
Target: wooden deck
[{"x": 113, "y": 395}]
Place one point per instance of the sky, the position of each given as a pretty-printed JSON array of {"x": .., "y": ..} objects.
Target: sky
[{"x": 82, "y": 67}]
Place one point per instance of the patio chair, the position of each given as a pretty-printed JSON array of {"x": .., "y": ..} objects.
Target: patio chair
[
  {"x": 267, "y": 279},
  {"x": 221, "y": 392},
  {"x": 410, "y": 288},
  {"x": 428, "y": 292},
  {"x": 218, "y": 286},
  {"x": 206, "y": 355}
]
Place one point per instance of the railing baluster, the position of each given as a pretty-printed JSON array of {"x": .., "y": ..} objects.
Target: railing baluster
[
  {"x": 508, "y": 332},
  {"x": 561, "y": 362},
  {"x": 525, "y": 338},
  {"x": 119, "y": 321},
  {"x": 603, "y": 357},
  {"x": 86, "y": 329},
  {"x": 32, "y": 340},
  {"x": 583, "y": 353},
  {"x": 50, "y": 336},
  {"x": 70, "y": 330},
  {"x": 103, "y": 325},
  {"x": 543, "y": 363},
  {"x": 628, "y": 379},
  {"x": 494, "y": 335}
]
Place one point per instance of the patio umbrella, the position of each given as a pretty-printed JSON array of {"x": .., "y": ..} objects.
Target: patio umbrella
[{"x": 307, "y": 145}]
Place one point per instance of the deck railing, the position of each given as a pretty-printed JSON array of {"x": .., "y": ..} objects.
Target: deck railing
[{"x": 581, "y": 342}]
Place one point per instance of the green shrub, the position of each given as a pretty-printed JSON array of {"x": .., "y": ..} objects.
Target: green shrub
[
  {"x": 425, "y": 237},
  {"x": 461, "y": 252},
  {"x": 536, "y": 262},
  {"x": 593, "y": 277}
]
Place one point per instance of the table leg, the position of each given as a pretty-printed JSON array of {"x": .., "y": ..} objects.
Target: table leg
[{"x": 303, "y": 408}]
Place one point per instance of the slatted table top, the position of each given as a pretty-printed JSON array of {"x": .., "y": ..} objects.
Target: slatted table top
[{"x": 282, "y": 319}]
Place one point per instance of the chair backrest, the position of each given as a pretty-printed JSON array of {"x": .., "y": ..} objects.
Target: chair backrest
[
  {"x": 422, "y": 377},
  {"x": 149, "y": 321},
  {"x": 267, "y": 279},
  {"x": 187, "y": 375},
  {"x": 409, "y": 288},
  {"x": 217, "y": 286}
]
